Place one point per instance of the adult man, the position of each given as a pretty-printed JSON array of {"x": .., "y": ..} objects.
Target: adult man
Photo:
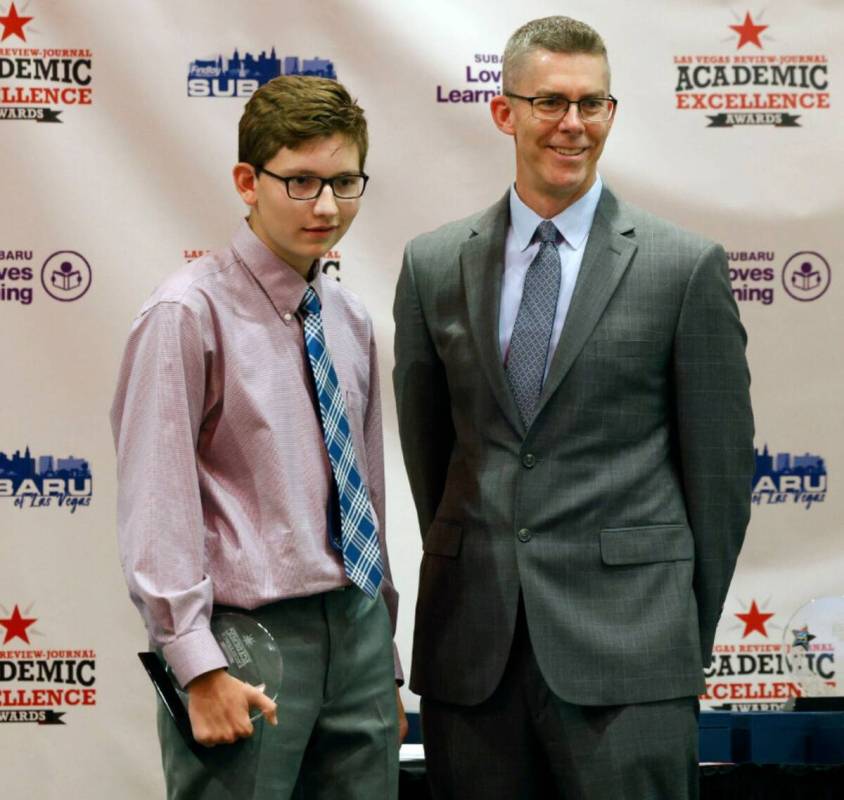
[
  {"x": 576, "y": 427},
  {"x": 247, "y": 423}
]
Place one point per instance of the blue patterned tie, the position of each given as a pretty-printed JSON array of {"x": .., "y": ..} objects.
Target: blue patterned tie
[
  {"x": 528, "y": 352},
  {"x": 361, "y": 549}
]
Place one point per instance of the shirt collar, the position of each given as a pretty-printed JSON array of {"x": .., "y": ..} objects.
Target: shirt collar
[
  {"x": 284, "y": 285},
  {"x": 573, "y": 222}
]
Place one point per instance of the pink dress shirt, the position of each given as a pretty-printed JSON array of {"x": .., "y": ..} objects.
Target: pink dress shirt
[{"x": 223, "y": 475}]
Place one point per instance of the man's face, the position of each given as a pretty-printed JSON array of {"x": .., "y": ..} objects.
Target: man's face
[
  {"x": 556, "y": 161},
  {"x": 300, "y": 231}
]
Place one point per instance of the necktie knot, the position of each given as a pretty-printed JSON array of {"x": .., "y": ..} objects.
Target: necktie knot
[
  {"x": 310, "y": 302},
  {"x": 547, "y": 231}
]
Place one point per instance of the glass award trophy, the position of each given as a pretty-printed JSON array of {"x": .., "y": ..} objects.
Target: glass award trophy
[
  {"x": 252, "y": 656},
  {"x": 813, "y": 644}
]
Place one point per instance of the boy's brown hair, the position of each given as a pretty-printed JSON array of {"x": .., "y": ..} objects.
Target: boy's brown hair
[{"x": 292, "y": 109}]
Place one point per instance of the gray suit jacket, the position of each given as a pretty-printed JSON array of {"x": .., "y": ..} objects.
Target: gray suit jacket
[{"x": 620, "y": 512}]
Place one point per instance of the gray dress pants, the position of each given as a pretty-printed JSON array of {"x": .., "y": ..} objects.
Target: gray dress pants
[{"x": 337, "y": 733}]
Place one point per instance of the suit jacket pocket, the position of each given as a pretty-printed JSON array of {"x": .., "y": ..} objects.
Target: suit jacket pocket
[
  {"x": 443, "y": 539},
  {"x": 646, "y": 544}
]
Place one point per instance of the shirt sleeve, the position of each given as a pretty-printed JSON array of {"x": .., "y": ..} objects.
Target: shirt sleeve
[
  {"x": 155, "y": 417},
  {"x": 374, "y": 444}
]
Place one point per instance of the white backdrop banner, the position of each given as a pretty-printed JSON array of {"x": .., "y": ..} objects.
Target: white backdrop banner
[{"x": 118, "y": 131}]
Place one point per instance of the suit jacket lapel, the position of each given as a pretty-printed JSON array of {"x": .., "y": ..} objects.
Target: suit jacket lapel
[
  {"x": 606, "y": 258},
  {"x": 482, "y": 264}
]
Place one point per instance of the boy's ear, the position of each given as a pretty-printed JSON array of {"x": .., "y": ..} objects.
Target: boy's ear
[{"x": 245, "y": 182}]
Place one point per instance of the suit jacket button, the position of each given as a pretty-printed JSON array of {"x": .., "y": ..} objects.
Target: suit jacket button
[
  {"x": 523, "y": 535},
  {"x": 529, "y": 460}
]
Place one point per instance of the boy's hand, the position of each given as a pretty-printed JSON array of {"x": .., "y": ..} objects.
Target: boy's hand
[{"x": 219, "y": 708}]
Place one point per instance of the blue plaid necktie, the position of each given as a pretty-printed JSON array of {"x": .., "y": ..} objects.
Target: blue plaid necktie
[
  {"x": 360, "y": 546},
  {"x": 528, "y": 351}
]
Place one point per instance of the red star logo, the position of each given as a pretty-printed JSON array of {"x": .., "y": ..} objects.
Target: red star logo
[
  {"x": 16, "y": 625},
  {"x": 748, "y": 32},
  {"x": 13, "y": 24},
  {"x": 754, "y": 620}
]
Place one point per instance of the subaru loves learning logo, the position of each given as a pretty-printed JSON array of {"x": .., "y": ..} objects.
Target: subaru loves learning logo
[
  {"x": 479, "y": 81},
  {"x": 760, "y": 276},
  {"x": 65, "y": 275},
  {"x": 240, "y": 76},
  {"x": 806, "y": 275}
]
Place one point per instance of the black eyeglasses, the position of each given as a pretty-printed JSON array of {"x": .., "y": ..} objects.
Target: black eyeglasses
[
  {"x": 555, "y": 107},
  {"x": 309, "y": 187}
]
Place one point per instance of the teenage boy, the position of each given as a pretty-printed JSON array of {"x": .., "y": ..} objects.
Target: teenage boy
[{"x": 247, "y": 423}]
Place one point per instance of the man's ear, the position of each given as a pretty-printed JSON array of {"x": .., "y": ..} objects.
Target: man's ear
[
  {"x": 245, "y": 181},
  {"x": 502, "y": 114}
]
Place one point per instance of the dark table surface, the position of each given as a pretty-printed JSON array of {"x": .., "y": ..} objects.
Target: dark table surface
[{"x": 770, "y": 755}]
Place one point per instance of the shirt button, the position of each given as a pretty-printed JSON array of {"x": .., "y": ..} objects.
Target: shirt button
[
  {"x": 523, "y": 535},
  {"x": 529, "y": 460},
  {"x": 287, "y": 316}
]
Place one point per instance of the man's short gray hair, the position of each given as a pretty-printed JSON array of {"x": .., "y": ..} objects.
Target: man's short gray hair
[{"x": 557, "y": 34}]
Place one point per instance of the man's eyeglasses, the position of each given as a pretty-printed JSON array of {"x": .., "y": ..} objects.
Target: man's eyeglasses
[
  {"x": 555, "y": 107},
  {"x": 309, "y": 187}
]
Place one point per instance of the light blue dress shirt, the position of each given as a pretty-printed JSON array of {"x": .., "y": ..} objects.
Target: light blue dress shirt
[{"x": 574, "y": 223}]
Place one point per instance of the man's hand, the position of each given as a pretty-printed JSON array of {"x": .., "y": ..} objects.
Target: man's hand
[
  {"x": 402, "y": 717},
  {"x": 219, "y": 708}
]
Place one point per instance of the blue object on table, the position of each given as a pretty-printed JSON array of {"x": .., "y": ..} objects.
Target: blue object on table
[{"x": 772, "y": 737}]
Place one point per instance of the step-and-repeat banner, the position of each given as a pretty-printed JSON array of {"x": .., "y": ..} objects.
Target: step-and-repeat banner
[{"x": 118, "y": 130}]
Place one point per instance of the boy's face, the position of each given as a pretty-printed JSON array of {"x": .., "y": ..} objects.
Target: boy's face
[{"x": 300, "y": 231}]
